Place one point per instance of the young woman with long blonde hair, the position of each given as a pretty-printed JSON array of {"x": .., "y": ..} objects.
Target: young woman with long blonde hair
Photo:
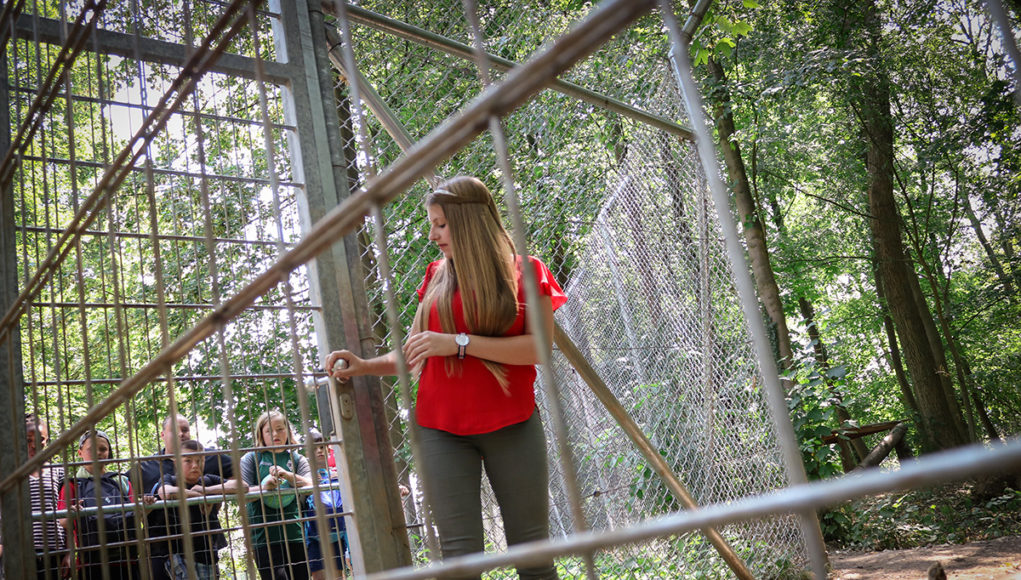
[{"x": 474, "y": 353}]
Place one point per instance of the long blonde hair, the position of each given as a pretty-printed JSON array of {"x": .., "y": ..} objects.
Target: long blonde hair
[
  {"x": 264, "y": 419},
  {"x": 483, "y": 267}
]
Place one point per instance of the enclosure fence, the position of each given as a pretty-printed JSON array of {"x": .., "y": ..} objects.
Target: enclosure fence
[{"x": 185, "y": 193}]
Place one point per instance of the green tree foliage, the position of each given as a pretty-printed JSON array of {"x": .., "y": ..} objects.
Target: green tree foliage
[{"x": 956, "y": 133}]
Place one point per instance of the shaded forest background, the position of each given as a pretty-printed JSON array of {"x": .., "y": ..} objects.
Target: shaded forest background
[{"x": 872, "y": 148}]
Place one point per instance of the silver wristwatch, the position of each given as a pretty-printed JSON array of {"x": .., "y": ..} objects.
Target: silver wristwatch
[{"x": 462, "y": 343}]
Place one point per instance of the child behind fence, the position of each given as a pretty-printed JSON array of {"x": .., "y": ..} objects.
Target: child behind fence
[
  {"x": 92, "y": 486},
  {"x": 276, "y": 470},
  {"x": 168, "y": 550},
  {"x": 332, "y": 503}
]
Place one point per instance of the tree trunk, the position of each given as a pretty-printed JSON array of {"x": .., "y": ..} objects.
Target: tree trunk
[
  {"x": 1005, "y": 281},
  {"x": 1007, "y": 244},
  {"x": 980, "y": 405},
  {"x": 870, "y": 93},
  {"x": 940, "y": 355},
  {"x": 675, "y": 186},
  {"x": 969, "y": 390},
  {"x": 754, "y": 233},
  {"x": 894, "y": 440},
  {"x": 822, "y": 357},
  {"x": 907, "y": 396}
]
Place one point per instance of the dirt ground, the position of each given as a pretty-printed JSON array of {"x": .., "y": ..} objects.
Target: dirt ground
[{"x": 998, "y": 559}]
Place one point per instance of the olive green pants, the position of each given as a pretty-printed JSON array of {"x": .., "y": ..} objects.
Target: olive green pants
[{"x": 515, "y": 462}]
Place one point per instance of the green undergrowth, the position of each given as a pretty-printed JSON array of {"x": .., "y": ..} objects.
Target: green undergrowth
[{"x": 949, "y": 514}]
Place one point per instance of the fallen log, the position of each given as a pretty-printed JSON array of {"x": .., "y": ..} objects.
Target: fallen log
[{"x": 893, "y": 440}]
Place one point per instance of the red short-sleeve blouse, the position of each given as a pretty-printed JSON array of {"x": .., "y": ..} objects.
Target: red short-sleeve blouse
[{"x": 471, "y": 402}]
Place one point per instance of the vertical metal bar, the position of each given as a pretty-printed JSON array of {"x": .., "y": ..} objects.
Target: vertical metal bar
[
  {"x": 216, "y": 299},
  {"x": 270, "y": 152},
  {"x": 19, "y": 549},
  {"x": 184, "y": 514},
  {"x": 350, "y": 68},
  {"x": 742, "y": 280},
  {"x": 378, "y": 536}
]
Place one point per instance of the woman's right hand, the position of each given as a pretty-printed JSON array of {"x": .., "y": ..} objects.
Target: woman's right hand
[{"x": 352, "y": 366}]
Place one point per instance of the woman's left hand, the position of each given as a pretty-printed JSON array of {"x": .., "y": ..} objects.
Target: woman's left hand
[{"x": 425, "y": 344}]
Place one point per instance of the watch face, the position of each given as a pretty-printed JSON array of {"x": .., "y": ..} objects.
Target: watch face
[{"x": 461, "y": 339}]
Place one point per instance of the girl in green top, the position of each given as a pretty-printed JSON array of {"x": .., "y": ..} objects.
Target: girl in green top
[{"x": 276, "y": 469}]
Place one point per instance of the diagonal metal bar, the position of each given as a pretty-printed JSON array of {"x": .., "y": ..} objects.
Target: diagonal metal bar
[
  {"x": 372, "y": 100},
  {"x": 637, "y": 436},
  {"x": 454, "y": 48},
  {"x": 12, "y": 10}
]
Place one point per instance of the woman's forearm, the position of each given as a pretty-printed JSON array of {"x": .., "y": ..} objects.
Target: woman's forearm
[
  {"x": 382, "y": 366},
  {"x": 515, "y": 350},
  {"x": 509, "y": 350}
]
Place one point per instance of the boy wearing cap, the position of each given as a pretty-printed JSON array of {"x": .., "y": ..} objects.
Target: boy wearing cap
[{"x": 90, "y": 487}]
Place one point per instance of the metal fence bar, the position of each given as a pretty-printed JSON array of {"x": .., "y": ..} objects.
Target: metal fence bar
[
  {"x": 151, "y": 50},
  {"x": 955, "y": 465},
  {"x": 162, "y": 171},
  {"x": 133, "y": 235},
  {"x": 17, "y": 530},
  {"x": 633, "y": 431},
  {"x": 79, "y": 98},
  {"x": 378, "y": 538},
  {"x": 452, "y": 47}
]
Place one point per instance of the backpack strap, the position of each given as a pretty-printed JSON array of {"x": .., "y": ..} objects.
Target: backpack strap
[{"x": 125, "y": 485}]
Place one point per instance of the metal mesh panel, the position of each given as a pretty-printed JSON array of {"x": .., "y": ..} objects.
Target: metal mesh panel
[
  {"x": 619, "y": 212},
  {"x": 653, "y": 309},
  {"x": 196, "y": 219}
]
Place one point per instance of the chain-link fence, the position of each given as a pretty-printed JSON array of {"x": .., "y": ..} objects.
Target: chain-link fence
[{"x": 617, "y": 208}]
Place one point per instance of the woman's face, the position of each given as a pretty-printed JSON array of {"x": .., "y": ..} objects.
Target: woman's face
[
  {"x": 274, "y": 432},
  {"x": 95, "y": 448},
  {"x": 439, "y": 233}
]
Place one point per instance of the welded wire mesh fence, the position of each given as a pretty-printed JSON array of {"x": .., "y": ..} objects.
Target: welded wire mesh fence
[{"x": 197, "y": 215}]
